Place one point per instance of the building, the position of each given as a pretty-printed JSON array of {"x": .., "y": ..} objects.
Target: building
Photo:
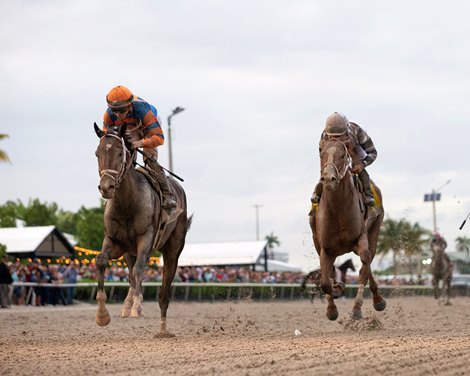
[{"x": 35, "y": 242}]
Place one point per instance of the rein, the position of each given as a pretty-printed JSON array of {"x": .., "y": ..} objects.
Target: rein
[{"x": 117, "y": 176}]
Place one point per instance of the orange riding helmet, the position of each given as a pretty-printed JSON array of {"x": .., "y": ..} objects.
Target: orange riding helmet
[{"x": 119, "y": 96}]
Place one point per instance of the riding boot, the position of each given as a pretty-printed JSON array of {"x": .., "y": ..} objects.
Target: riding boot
[
  {"x": 317, "y": 193},
  {"x": 365, "y": 179},
  {"x": 169, "y": 202}
]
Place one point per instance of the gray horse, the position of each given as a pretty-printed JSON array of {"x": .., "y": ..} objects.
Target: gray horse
[
  {"x": 441, "y": 268},
  {"x": 134, "y": 225}
]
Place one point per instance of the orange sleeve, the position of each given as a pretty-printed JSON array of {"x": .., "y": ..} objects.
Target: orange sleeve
[
  {"x": 107, "y": 121},
  {"x": 154, "y": 138}
]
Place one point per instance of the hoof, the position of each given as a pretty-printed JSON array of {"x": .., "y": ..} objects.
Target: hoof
[
  {"x": 333, "y": 315},
  {"x": 356, "y": 315},
  {"x": 135, "y": 313},
  {"x": 103, "y": 319},
  {"x": 338, "y": 290},
  {"x": 380, "y": 306},
  {"x": 125, "y": 313},
  {"x": 164, "y": 335}
]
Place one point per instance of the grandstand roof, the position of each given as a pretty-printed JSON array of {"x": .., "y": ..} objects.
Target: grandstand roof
[
  {"x": 35, "y": 241},
  {"x": 222, "y": 253},
  {"x": 231, "y": 253}
]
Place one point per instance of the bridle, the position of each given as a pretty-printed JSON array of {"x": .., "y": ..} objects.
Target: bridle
[
  {"x": 341, "y": 174},
  {"x": 117, "y": 176}
]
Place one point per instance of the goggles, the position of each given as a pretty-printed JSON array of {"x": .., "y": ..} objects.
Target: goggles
[{"x": 120, "y": 110}]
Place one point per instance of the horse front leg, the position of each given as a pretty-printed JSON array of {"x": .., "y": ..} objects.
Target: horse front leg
[
  {"x": 435, "y": 284},
  {"x": 448, "y": 288},
  {"x": 108, "y": 251},
  {"x": 366, "y": 258},
  {"x": 129, "y": 300},
  {"x": 144, "y": 247},
  {"x": 326, "y": 284}
]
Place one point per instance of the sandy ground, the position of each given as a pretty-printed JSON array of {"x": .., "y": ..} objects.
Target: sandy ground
[{"x": 413, "y": 336}]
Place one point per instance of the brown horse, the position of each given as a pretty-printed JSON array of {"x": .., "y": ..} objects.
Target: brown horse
[
  {"x": 441, "y": 269},
  {"x": 133, "y": 225},
  {"x": 314, "y": 277},
  {"x": 341, "y": 224}
]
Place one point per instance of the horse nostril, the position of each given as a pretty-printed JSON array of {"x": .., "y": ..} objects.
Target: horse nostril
[
  {"x": 333, "y": 179},
  {"x": 322, "y": 179}
]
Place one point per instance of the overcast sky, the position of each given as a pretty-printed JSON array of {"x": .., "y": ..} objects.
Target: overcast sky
[{"x": 257, "y": 80}]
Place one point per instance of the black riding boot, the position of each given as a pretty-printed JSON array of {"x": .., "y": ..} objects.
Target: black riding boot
[
  {"x": 365, "y": 179},
  {"x": 169, "y": 202}
]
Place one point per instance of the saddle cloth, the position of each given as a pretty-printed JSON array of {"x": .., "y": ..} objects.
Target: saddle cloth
[{"x": 167, "y": 218}]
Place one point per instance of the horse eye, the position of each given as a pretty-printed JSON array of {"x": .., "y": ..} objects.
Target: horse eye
[{"x": 120, "y": 154}]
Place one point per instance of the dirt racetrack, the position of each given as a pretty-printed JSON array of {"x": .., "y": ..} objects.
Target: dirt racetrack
[{"x": 413, "y": 336}]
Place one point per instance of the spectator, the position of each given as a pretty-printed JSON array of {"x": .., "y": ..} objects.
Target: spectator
[
  {"x": 70, "y": 276},
  {"x": 5, "y": 281}
]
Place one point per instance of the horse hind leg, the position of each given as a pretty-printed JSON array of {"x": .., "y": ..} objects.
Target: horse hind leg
[
  {"x": 171, "y": 251},
  {"x": 379, "y": 302},
  {"x": 364, "y": 273}
]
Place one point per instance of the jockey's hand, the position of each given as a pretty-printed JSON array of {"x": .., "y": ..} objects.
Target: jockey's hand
[
  {"x": 358, "y": 167},
  {"x": 138, "y": 144}
]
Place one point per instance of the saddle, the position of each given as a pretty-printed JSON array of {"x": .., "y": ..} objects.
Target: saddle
[
  {"x": 360, "y": 188},
  {"x": 166, "y": 218}
]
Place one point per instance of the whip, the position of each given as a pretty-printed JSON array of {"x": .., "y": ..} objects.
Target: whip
[
  {"x": 171, "y": 173},
  {"x": 463, "y": 223}
]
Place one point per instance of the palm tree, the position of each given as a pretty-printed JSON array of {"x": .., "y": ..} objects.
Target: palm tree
[
  {"x": 462, "y": 244},
  {"x": 415, "y": 238},
  {"x": 3, "y": 155},
  {"x": 272, "y": 241},
  {"x": 391, "y": 239}
]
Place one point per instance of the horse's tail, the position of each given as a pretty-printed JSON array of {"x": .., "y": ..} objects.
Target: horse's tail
[{"x": 189, "y": 221}]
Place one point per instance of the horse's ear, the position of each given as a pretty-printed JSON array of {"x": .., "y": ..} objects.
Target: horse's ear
[
  {"x": 98, "y": 131},
  {"x": 122, "y": 130}
]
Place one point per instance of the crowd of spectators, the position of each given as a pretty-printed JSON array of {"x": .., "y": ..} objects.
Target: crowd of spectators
[{"x": 51, "y": 275}]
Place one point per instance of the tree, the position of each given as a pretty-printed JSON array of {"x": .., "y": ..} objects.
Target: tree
[
  {"x": 390, "y": 239},
  {"x": 37, "y": 213},
  {"x": 90, "y": 227},
  {"x": 462, "y": 244},
  {"x": 272, "y": 240},
  {"x": 67, "y": 221},
  {"x": 8, "y": 214},
  {"x": 3, "y": 155},
  {"x": 414, "y": 238}
]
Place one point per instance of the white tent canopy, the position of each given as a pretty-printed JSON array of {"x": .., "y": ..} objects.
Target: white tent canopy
[
  {"x": 222, "y": 253},
  {"x": 231, "y": 253},
  {"x": 36, "y": 240}
]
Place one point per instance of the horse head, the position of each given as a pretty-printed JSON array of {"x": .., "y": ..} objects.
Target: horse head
[
  {"x": 334, "y": 161},
  {"x": 113, "y": 159},
  {"x": 438, "y": 245}
]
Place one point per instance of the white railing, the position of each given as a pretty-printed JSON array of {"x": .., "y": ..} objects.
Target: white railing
[{"x": 278, "y": 290}]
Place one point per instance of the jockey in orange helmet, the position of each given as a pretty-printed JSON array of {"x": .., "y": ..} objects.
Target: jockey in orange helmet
[{"x": 143, "y": 130}]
